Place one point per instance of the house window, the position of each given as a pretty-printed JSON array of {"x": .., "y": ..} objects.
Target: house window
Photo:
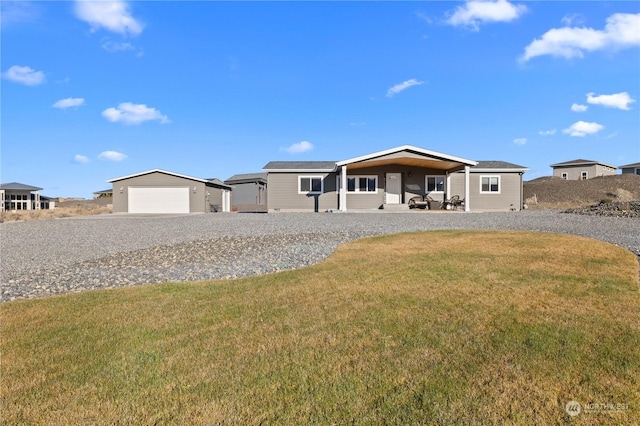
[
  {"x": 310, "y": 185},
  {"x": 584, "y": 175},
  {"x": 564, "y": 175},
  {"x": 490, "y": 184},
  {"x": 638, "y": 171},
  {"x": 362, "y": 184},
  {"x": 434, "y": 184}
]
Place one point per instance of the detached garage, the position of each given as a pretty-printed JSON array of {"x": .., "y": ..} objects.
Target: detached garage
[{"x": 159, "y": 191}]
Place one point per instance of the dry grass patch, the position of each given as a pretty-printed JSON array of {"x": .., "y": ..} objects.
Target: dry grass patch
[
  {"x": 423, "y": 328},
  {"x": 58, "y": 212}
]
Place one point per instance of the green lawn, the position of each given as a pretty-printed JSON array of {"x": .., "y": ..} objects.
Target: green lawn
[{"x": 453, "y": 327}]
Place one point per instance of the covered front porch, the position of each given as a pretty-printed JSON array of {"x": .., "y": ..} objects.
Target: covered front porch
[{"x": 390, "y": 179}]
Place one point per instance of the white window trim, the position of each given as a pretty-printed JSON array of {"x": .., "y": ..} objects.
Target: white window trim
[
  {"x": 444, "y": 179},
  {"x": 499, "y": 184},
  {"x": 357, "y": 187},
  {"x": 584, "y": 175},
  {"x": 636, "y": 171},
  {"x": 564, "y": 175},
  {"x": 321, "y": 177}
]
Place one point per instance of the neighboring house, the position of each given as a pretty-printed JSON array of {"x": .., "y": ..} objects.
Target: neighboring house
[
  {"x": 249, "y": 192},
  {"x": 582, "y": 169},
  {"x": 105, "y": 193},
  {"x": 16, "y": 196},
  {"x": 160, "y": 191},
  {"x": 389, "y": 179},
  {"x": 633, "y": 168}
]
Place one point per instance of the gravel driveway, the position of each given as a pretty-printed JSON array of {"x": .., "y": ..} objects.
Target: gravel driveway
[{"x": 42, "y": 258}]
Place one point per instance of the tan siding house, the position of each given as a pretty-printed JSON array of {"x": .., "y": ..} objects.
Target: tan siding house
[
  {"x": 160, "y": 191},
  {"x": 390, "y": 179},
  {"x": 582, "y": 169}
]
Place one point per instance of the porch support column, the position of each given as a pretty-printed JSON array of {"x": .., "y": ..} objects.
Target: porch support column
[
  {"x": 466, "y": 188},
  {"x": 37, "y": 199},
  {"x": 447, "y": 186},
  {"x": 2, "y": 197},
  {"x": 343, "y": 189}
]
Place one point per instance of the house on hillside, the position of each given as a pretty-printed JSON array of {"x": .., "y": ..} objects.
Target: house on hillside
[
  {"x": 582, "y": 169},
  {"x": 105, "y": 193},
  {"x": 249, "y": 192},
  {"x": 389, "y": 179},
  {"x": 633, "y": 168},
  {"x": 160, "y": 191},
  {"x": 16, "y": 196}
]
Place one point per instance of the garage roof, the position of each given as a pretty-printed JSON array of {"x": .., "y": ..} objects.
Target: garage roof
[{"x": 213, "y": 181}]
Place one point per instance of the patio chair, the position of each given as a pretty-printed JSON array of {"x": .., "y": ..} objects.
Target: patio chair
[{"x": 454, "y": 201}]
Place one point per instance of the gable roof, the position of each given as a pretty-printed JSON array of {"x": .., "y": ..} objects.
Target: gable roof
[
  {"x": 247, "y": 178},
  {"x": 18, "y": 187},
  {"x": 498, "y": 166},
  {"x": 212, "y": 181},
  {"x": 300, "y": 166},
  {"x": 626, "y": 166},
  {"x": 581, "y": 162},
  {"x": 412, "y": 149}
]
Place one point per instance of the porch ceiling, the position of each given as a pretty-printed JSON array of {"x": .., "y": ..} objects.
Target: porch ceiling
[{"x": 426, "y": 163}]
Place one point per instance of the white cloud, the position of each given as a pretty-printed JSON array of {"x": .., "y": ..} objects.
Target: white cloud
[
  {"x": 114, "y": 46},
  {"x": 474, "y": 13},
  {"x": 80, "y": 159},
  {"x": 572, "y": 19},
  {"x": 113, "y": 16},
  {"x": 579, "y": 108},
  {"x": 617, "y": 100},
  {"x": 129, "y": 113},
  {"x": 520, "y": 141},
  {"x": 403, "y": 86},
  {"x": 299, "y": 147},
  {"x": 17, "y": 12},
  {"x": 622, "y": 30},
  {"x": 68, "y": 103},
  {"x": 583, "y": 128},
  {"x": 112, "y": 156},
  {"x": 24, "y": 75},
  {"x": 547, "y": 132}
]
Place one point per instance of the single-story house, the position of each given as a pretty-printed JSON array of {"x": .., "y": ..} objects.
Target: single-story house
[
  {"x": 18, "y": 196},
  {"x": 160, "y": 191},
  {"x": 633, "y": 168},
  {"x": 249, "y": 192},
  {"x": 105, "y": 193},
  {"x": 582, "y": 169},
  {"x": 389, "y": 179}
]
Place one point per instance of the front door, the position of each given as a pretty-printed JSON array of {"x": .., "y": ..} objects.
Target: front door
[{"x": 393, "y": 188}]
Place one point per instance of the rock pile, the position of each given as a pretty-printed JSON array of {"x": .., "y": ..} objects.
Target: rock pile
[{"x": 610, "y": 209}]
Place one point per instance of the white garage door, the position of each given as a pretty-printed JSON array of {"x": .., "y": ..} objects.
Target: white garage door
[{"x": 158, "y": 200}]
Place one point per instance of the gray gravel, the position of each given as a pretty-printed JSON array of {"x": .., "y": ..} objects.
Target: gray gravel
[{"x": 43, "y": 258}]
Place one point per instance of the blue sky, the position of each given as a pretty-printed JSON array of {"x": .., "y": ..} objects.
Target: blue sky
[{"x": 94, "y": 90}]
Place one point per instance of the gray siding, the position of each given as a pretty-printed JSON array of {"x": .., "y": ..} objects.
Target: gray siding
[
  {"x": 283, "y": 189},
  {"x": 282, "y": 193},
  {"x": 631, "y": 170},
  {"x": 510, "y": 195},
  {"x": 197, "y": 199},
  {"x": 249, "y": 193}
]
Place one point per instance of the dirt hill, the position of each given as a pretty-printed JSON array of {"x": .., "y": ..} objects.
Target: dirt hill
[{"x": 550, "y": 191}]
